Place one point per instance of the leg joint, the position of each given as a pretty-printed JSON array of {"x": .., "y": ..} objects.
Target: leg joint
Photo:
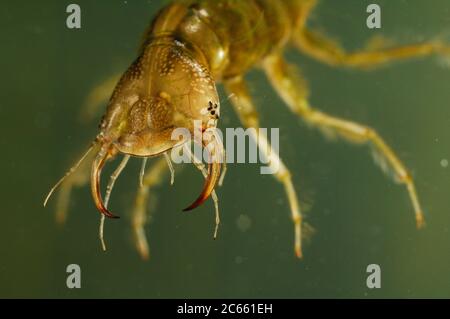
[{"x": 283, "y": 175}]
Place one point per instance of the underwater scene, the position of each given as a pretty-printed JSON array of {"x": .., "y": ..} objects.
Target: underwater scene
[{"x": 352, "y": 200}]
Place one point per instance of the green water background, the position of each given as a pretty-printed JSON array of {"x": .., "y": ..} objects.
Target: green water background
[{"x": 360, "y": 216}]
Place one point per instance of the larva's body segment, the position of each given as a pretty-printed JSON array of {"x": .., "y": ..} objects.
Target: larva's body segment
[
  {"x": 189, "y": 48},
  {"x": 233, "y": 35},
  {"x": 165, "y": 88}
]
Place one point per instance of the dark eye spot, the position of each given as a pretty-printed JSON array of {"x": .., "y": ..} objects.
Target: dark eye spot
[
  {"x": 194, "y": 6},
  {"x": 102, "y": 123},
  {"x": 215, "y": 106}
]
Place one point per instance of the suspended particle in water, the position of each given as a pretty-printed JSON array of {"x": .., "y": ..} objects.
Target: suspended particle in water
[{"x": 244, "y": 223}]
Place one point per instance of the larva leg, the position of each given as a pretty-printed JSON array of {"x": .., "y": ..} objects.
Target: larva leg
[
  {"x": 63, "y": 200},
  {"x": 109, "y": 188},
  {"x": 152, "y": 178},
  {"x": 224, "y": 169},
  {"x": 142, "y": 171},
  {"x": 171, "y": 169},
  {"x": 98, "y": 96},
  {"x": 79, "y": 178},
  {"x": 284, "y": 81},
  {"x": 246, "y": 111},
  {"x": 378, "y": 52}
]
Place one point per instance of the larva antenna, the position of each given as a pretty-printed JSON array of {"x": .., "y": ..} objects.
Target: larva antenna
[{"x": 69, "y": 172}]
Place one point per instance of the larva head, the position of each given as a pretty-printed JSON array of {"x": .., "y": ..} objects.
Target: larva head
[{"x": 166, "y": 88}]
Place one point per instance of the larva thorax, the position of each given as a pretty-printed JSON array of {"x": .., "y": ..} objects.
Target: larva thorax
[{"x": 190, "y": 46}]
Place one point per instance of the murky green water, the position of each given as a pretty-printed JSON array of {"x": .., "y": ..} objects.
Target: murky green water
[{"x": 360, "y": 216}]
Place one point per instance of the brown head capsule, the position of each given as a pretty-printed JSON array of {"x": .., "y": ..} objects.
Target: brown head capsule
[{"x": 166, "y": 88}]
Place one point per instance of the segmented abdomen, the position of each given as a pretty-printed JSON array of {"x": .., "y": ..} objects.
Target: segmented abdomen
[{"x": 233, "y": 35}]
